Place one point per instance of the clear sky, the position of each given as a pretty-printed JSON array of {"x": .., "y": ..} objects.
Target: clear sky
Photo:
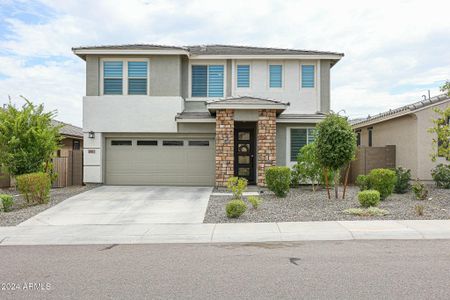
[{"x": 394, "y": 50}]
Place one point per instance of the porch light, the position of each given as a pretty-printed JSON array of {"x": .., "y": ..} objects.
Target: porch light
[{"x": 91, "y": 134}]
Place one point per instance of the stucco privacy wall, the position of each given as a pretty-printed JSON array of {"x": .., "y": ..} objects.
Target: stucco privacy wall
[{"x": 165, "y": 74}]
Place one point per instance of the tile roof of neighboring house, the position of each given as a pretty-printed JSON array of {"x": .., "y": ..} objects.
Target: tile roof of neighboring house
[
  {"x": 68, "y": 129},
  {"x": 392, "y": 113}
]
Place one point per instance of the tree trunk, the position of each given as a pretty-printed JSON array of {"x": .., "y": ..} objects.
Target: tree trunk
[
  {"x": 346, "y": 180},
  {"x": 336, "y": 185},
  {"x": 326, "y": 183}
]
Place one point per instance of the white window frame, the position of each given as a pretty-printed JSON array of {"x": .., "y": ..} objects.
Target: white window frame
[
  {"x": 315, "y": 75},
  {"x": 283, "y": 75},
  {"x": 124, "y": 74},
  {"x": 290, "y": 163},
  {"x": 206, "y": 63},
  {"x": 242, "y": 63}
]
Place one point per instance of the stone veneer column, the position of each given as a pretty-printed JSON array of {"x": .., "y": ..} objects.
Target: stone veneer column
[
  {"x": 266, "y": 142},
  {"x": 224, "y": 146}
]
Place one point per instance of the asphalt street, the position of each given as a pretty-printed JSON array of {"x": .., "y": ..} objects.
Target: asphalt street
[{"x": 380, "y": 269}]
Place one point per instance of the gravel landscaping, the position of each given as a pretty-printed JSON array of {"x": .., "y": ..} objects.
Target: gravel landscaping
[
  {"x": 302, "y": 204},
  {"x": 21, "y": 212}
]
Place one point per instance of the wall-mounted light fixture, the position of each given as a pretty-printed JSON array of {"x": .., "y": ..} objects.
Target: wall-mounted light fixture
[{"x": 91, "y": 134}]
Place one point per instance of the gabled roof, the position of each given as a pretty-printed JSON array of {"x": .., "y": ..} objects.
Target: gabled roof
[
  {"x": 400, "y": 111},
  {"x": 246, "y": 102},
  {"x": 68, "y": 129}
]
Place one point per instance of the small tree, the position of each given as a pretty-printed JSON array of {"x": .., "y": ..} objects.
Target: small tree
[
  {"x": 441, "y": 134},
  {"x": 446, "y": 87},
  {"x": 336, "y": 147},
  {"x": 308, "y": 165},
  {"x": 28, "y": 140}
]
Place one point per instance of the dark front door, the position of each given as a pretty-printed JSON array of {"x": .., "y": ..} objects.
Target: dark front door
[{"x": 244, "y": 153}]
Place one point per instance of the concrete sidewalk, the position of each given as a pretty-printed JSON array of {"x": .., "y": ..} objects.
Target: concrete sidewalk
[{"x": 224, "y": 233}]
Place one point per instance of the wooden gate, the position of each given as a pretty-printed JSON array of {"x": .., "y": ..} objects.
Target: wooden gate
[{"x": 69, "y": 169}]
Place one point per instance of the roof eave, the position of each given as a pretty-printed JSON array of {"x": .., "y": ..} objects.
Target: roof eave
[
  {"x": 334, "y": 57},
  {"x": 82, "y": 52}
]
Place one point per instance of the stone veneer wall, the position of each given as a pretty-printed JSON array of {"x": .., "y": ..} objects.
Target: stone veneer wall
[
  {"x": 266, "y": 142},
  {"x": 224, "y": 146}
]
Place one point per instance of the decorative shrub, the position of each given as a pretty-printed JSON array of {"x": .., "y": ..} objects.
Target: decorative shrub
[
  {"x": 255, "y": 201},
  {"x": 362, "y": 181},
  {"x": 308, "y": 166},
  {"x": 35, "y": 187},
  {"x": 420, "y": 190},
  {"x": 237, "y": 186},
  {"x": 382, "y": 180},
  {"x": 7, "y": 202},
  {"x": 235, "y": 208},
  {"x": 403, "y": 178},
  {"x": 369, "y": 198},
  {"x": 295, "y": 176},
  {"x": 278, "y": 180},
  {"x": 366, "y": 212},
  {"x": 441, "y": 175}
]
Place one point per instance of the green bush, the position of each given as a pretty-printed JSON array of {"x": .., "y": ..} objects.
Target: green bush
[
  {"x": 403, "y": 177},
  {"x": 308, "y": 166},
  {"x": 278, "y": 180},
  {"x": 295, "y": 176},
  {"x": 237, "y": 186},
  {"x": 7, "y": 202},
  {"x": 420, "y": 190},
  {"x": 235, "y": 208},
  {"x": 255, "y": 201},
  {"x": 362, "y": 181},
  {"x": 441, "y": 175},
  {"x": 369, "y": 198},
  {"x": 382, "y": 180},
  {"x": 35, "y": 187}
]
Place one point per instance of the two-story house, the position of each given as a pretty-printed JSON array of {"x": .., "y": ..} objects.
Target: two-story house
[{"x": 197, "y": 115}]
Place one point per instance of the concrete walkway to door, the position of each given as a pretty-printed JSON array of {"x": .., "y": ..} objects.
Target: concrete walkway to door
[{"x": 115, "y": 205}]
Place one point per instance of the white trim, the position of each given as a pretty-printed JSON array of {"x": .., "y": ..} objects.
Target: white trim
[
  {"x": 129, "y": 52},
  {"x": 224, "y": 64},
  {"x": 124, "y": 74},
  {"x": 290, "y": 163},
  {"x": 306, "y": 57},
  {"x": 275, "y": 63},
  {"x": 301, "y": 120},
  {"x": 246, "y": 106}
]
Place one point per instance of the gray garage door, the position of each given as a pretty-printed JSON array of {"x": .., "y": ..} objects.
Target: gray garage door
[{"x": 161, "y": 161}]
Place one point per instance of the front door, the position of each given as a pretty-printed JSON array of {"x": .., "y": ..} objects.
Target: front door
[{"x": 244, "y": 153}]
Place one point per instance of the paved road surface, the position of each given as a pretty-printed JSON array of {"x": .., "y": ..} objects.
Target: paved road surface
[{"x": 319, "y": 270}]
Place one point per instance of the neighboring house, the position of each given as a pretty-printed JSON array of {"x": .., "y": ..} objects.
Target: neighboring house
[
  {"x": 406, "y": 128},
  {"x": 198, "y": 115},
  {"x": 72, "y": 138}
]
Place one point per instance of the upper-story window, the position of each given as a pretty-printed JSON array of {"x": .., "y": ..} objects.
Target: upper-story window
[
  {"x": 243, "y": 76},
  {"x": 275, "y": 76},
  {"x": 308, "y": 76},
  {"x": 207, "y": 80},
  {"x": 125, "y": 77}
]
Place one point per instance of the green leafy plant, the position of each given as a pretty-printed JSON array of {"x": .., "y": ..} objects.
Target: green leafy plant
[
  {"x": 369, "y": 198},
  {"x": 28, "y": 141},
  {"x": 441, "y": 134},
  {"x": 420, "y": 190},
  {"x": 382, "y": 180},
  {"x": 308, "y": 166},
  {"x": 336, "y": 147},
  {"x": 366, "y": 212},
  {"x": 419, "y": 210},
  {"x": 35, "y": 187},
  {"x": 255, "y": 201},
  {"x": 295, "y": 176},
  {"x": 403, "y": 178},
  {"x": 235, "y": 208},
  {"x": 278, "y": 180},
  {"x": 362, "y": 181},
  {"x": 441, "y": 176},
  {"x": 7, "y": 202},
  {"x": 237, "y": 186}
]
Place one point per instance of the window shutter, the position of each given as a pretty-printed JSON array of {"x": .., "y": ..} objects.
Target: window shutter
[
  {"x": 215, "y": 80},
  {"x": 137, "y": 77},
  {"x": 199, "y": 81},
  {"x": 307, "y": 76},
  {"x": 112, "y": 77},
  {"x": 298, "y": 140},
  {"x": 276, "y": 76},
  {"x": 243, "y": 76}
]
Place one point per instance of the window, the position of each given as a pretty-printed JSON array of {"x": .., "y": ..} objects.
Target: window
[
  {"x": 370, "y": 136},
  {"x": 275, "y": 76},
  {"x": 243, "y": 76},
  {"x": 307, "y": 76},
  {"x": 207, "y": 80},
  {"x": 137, "y": 77},
  {"x": 198, "y": 143},
  {"x": 112, "y": 77},
  {"x": 121, "y": 143},
  {"x": 299, "y": 138},
  {"x": 147, "y": 143},
  {"x": 358, "y": 138},
  {"x": 76, "y": 145},
  {"x": 172, "y": 143}
]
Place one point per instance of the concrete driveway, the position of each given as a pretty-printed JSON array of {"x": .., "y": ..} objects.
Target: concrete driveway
[{"x": 128, "y": 205}]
